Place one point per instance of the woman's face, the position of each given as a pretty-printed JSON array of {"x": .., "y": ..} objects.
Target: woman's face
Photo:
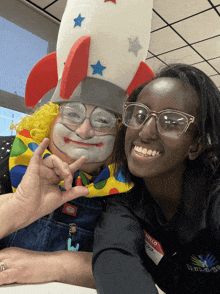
[
  {"x": 161, "y": 94},
  {"x": 69, "y": 142}
]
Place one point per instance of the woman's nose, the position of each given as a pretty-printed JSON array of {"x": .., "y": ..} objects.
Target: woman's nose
[
  {"x": 85, "y": 130},
  {"x": 149, "y": 129}
]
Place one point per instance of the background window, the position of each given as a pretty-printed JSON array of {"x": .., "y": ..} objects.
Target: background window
[
  {"x": 26, "y": 36},
  {"x": 20, "y": 50},
  {"x": 7, "y": 116}
]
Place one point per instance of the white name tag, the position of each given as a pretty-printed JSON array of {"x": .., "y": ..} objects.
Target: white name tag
[{"x": 153, "y": 248}]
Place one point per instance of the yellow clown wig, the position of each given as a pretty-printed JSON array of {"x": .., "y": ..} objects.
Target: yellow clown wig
[{"x": 39, "y": 123}]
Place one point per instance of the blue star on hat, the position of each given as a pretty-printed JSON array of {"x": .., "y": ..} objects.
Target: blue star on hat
[
  {"x": 98, "y": 68},
  {"x": 78, "y": 20}
]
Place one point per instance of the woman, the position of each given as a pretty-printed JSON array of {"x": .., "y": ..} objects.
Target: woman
[{"x": 165, "y": 231}]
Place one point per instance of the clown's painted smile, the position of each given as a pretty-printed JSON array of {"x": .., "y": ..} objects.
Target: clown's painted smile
[
  {"x": 95, "y": 149},
  {"x": 67, "y": 140}
]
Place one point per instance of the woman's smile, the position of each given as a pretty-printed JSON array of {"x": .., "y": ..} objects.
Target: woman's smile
[{"x": 146, "y": 153}]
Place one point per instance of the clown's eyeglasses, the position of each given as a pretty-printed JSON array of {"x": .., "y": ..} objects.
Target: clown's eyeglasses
[
  {"x": 170, "y": 123},
  {"x": 100, "y": 119}
]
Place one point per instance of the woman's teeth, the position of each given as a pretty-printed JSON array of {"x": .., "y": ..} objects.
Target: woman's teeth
[{"x": 146, "y": 152}]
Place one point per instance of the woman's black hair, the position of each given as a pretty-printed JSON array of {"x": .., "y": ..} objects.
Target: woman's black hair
[
  {"x": 209, "y": 126},
  {"x": 119, "y": 156}
]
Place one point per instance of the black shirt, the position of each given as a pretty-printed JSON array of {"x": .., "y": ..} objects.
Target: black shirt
[{"x": 135, "y": 247}]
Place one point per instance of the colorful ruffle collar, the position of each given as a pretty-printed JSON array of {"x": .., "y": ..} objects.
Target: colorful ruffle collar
[{"x": 107, "y": 183}]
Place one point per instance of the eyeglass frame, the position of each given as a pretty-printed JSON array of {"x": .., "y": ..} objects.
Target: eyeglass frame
[
  {"x": 190, "y": 118},
  {"x": 88, "y": 116}
]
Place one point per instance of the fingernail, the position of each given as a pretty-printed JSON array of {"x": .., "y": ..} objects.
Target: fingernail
[{"x": 68, "y": 171}]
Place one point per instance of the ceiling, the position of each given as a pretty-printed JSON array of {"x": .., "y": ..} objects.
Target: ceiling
[{"x": 186, "y": 31}]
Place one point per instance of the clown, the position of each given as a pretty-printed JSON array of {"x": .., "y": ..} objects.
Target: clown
[
  {"x": 98, "y": 63},
  {"x": 82, "y": 129}
]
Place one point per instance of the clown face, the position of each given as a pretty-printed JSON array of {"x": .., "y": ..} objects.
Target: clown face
[{"x": 83, "y": 130}]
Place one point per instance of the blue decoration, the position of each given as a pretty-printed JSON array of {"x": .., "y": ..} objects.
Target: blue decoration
[
  {"x": 104, "y": 175},
  {"x": 98, "y": 68},
  {"x": 46, "y": 155},
  {"x": 72, "y": 248},
  {"x": 119, "y": 175},
  {"x": 16, "y": 175},
  {"x": 208, "y": 261},
  {"x": 78, "y": 20},
  {"x": 76, "y": 174},
  {"x": 32, "y": 146}
]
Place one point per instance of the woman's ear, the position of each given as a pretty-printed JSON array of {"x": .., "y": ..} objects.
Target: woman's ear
[{"x": 195, "y": 150}]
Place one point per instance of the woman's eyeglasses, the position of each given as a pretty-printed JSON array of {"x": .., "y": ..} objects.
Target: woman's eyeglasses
[{"x": 170, "y": 123}]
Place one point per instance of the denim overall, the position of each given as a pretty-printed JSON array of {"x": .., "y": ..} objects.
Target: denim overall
[{"x": 51, "y": 233}]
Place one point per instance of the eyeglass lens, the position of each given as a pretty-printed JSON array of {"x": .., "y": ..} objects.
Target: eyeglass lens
[
  {"x": 171, "y": 124},
  {"x": 99, "y": 117}
]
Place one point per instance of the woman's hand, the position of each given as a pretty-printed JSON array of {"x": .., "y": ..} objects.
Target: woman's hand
[
  {"x": 29, "y": 267},
  {"x": 26, "y": 266},
  {"x": 38, "y": 193}
]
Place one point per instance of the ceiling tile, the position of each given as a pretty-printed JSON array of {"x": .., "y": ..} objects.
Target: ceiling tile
[
  {"x": 149, "y": 55},
  {"x": 215, "y": 63},
  {"x": 155, "y": 64},
  {"x": 42, "y": 3},
  {"x": 209, "y": 49},
  {"x": 185, "y": 55},
  {"x": 216, "y": 80},
  {"x": 206, "y": 68},
  {"x": 215, "y": 2},
  {"x": 164, "y": 40},
  {"x": 174, "y": 10},
  {"x": 199, "y": 27},
  {"x": 57, "y": 9},
  {"x": 157, "y": 22}
]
